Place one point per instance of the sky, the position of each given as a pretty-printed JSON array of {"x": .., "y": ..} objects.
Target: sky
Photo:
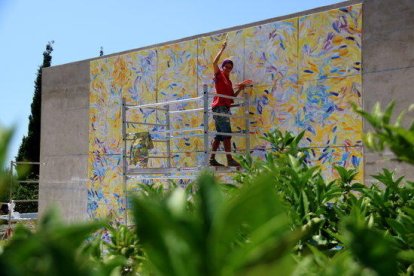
[{"x": 79, "y": 28}]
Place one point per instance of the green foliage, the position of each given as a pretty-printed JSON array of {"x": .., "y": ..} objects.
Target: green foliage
[
  {"x": 372, "y": 248},
  {"x": 5, "y": 179},
  {"x": 219, "y": 234},
  {"x": 282, "y": 217},
  {"x": 29, "y": 149},
  {"x": 51, "y": 250},
  {"x": 310, "y": 199},
  {"x": 389, "y": 135},
  {"x": 115, "y": 249},
  {"x": 124, "y": 242}
]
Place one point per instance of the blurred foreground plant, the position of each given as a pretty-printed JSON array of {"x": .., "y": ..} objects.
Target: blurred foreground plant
[
  {"x": 385, "y": 134},
  {"x": 245, "y": 233}
]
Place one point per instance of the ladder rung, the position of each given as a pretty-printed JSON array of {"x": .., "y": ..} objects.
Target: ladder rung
[
  {"x": 143, "y": 123},
  {"x": 227, "y": 115},
  {"x": 228, "y": 133},
  {"x": 27, "y": 163},
  {"x": 186, "y": 136},
  {"x": 186, "y": 110},
  {"x": 190, "y": 177},
  {"x": 223, "y": 152},
  {"x": 178, "y": 130},
  {"x": 28, "y": 181},
  {"x": 225, "y": 96},
  {"x": 165, "y": 103},
  {"x": 138, "y": 171},
  {"x": 160, "y": 140}
]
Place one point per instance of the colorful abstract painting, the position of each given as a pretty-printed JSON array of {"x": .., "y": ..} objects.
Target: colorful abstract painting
[
  {"x": 306, "y": 73},
  {"x": 330, "y": 43},
  {"x": 325, "y": 111},
  {"x": 329, "y": 157}
]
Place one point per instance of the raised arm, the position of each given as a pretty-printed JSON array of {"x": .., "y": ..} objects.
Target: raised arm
[{"x": 217, "y": 58}]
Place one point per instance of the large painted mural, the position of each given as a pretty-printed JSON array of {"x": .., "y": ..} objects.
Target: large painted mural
[{"x": 306, "y": 73}]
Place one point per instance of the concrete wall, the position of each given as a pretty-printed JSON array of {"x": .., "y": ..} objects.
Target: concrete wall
[
  {"x": 388, "y": 62},
  {"x": 64, "y": 139}
]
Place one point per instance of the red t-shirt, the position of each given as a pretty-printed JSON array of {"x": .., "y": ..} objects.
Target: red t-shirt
[{"x": 225, "y": 87}]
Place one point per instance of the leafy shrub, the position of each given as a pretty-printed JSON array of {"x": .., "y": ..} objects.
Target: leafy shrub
[{"x": 281, "y": 218}]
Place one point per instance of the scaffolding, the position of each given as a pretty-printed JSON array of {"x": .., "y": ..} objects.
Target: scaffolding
[
  {"x": 165, "y": 128},
  {"x": 12, "y": 214}
]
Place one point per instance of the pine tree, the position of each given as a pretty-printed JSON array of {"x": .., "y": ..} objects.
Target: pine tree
[
  {"x": 30, "y": 147},
  {"x": 29, "y": 150}
]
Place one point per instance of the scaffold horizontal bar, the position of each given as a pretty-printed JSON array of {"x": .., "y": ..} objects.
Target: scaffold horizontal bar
[
  {"x": 25, "y": 200},
  {"x": 154, "y": 156},
  {"x": 27, "y": 163},
  {"x": 160, "y": 140},
  {"x": 225, "y": 96},
  {"x": 228, "y": 133},
  {"x": 186, "y": 110},
  {"x": 28, "y": 181},
  {"x": 166, "y": 177},
  {"x": 223, "y": 152},
  {"x": 179, "y": 171},
  {"x": 165, "y": 103},
  {"x": 153, "y": 140},
  {"x": 155, "y": 108},
  {"x": 227, "y": 115},
  {"x": 138, "y": 171},
  {"x": 186, "y": 136},
  {"x": 178, "y": 130},
  {"x": 142, "y": 123},
  {"x": 174, "y": 137}
]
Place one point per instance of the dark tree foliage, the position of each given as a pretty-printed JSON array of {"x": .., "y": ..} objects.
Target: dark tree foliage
[
  {"x": 101, "y": 52},
  {"x": 30, "y": 147},
  {"x": 29, "y": 150}
]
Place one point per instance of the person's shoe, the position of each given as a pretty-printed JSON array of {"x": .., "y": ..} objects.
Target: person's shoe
[
  {"x": 232, "y": 163},
  {"x": 213, "y": 162}
]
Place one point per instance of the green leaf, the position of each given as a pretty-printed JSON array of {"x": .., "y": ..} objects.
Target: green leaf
[
  {"x": 388, "y": 112},
  {"x": 406, "y": 256},
  {"x": 406, "y": 134},
  {"x": 372, "y": 248}
]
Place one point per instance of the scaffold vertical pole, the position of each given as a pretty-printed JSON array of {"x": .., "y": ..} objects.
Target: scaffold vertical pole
[
  {"x": 247, "y": 120},
  {"x": 205, "y": 124},
  {"x": 169, "y": 134},
  {"x": 124, "y": 156},
  {"x": 10, "y": 195}
]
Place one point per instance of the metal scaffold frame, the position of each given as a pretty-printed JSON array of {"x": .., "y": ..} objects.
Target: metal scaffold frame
[
  {"x": 11, "y": 204},
  {"x": 170, "y": 172}
]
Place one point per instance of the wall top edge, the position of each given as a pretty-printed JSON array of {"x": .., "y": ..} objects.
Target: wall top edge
[{"x": 265, "y": 21}]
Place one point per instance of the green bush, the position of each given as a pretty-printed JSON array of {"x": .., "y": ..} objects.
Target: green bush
[{"x": 282, "y": 217}]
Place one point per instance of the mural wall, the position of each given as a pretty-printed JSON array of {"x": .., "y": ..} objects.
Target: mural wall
[{"x": 306, "y": 72}]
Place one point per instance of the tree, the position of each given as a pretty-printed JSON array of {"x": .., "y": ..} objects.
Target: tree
[
  {"x": 29, "y": 150},
  {"x": 30, "y": 147}
]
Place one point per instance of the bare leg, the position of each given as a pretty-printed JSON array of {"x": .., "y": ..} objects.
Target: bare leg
[
  {"x": 213, "y": 161},
  {"x": 215, "y": 145},
  {"x": 227, "y": 147}
]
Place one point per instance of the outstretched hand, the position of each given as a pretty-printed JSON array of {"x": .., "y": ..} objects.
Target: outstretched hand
[{"x": 243, "y": 84}]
